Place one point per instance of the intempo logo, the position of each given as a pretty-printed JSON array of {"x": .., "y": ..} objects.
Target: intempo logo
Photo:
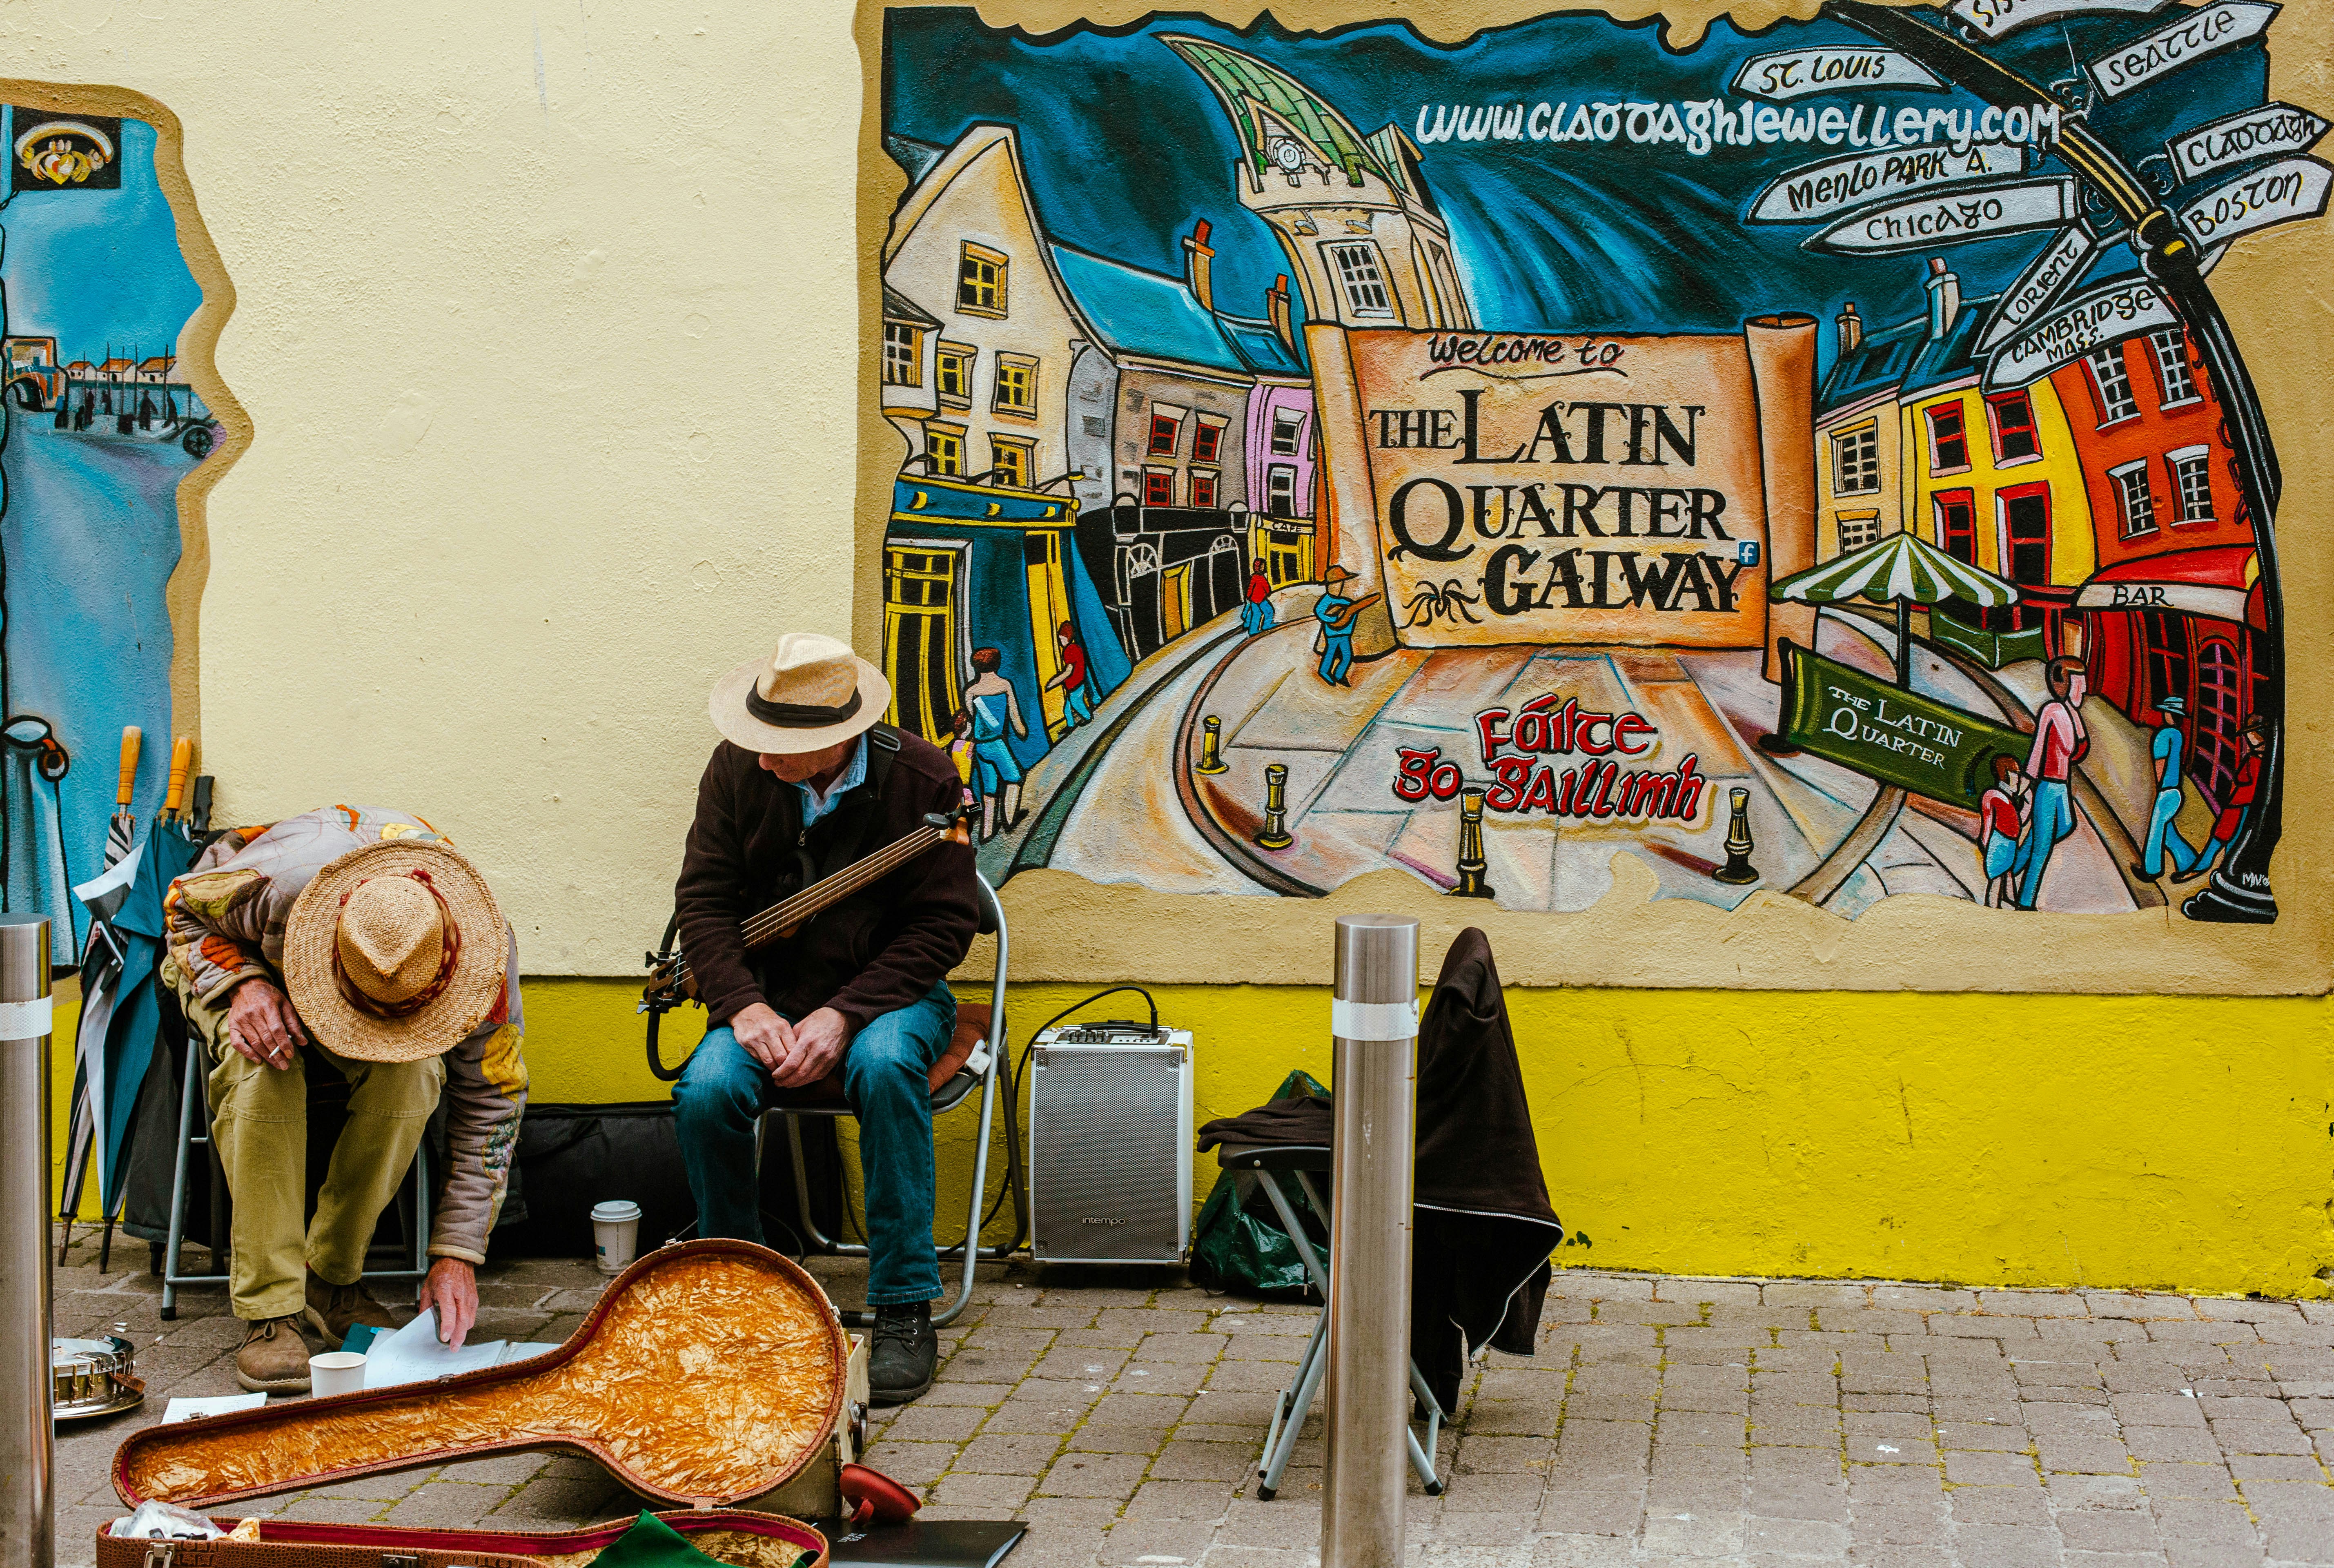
[{"x": 1102, "y": 1219}]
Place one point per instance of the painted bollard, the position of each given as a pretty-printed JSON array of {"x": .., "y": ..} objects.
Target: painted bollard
[
  {"x": 1738, "y": 869},
  {"x": 1212, "y": 747},
  {"x": 1471, "y": 864},
  {"x": 1274, "y": 834}
]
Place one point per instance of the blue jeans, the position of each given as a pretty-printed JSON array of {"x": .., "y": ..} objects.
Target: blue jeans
[
  {"x": 2164, "y": 840},
  {"x": 1074, "y": 703},
  {"x": 1336, "y": 657},
  {"x": 723, "y": 1093},
  {"x": 1256, "y": 617},
  {"x": 2054, "y": 819}
]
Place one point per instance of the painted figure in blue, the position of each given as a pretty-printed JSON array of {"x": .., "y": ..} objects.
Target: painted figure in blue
[
  {"x": 2164, "y": 840},
  {"x": 996, "y": 770},
  {"x": 1256, "y": 609},
  {"x": 1336, "y": 613},
  {"x": 2061, "y": 743},
  {"x": 1077, "y": 704}
]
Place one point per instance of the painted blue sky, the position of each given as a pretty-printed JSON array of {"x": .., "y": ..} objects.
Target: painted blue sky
[
  {"x": 1126, "y": 146},
  {"x": 92, "y": 266}
]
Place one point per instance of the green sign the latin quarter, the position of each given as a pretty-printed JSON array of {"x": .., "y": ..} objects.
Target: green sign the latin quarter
[{"x": 1886, "y": 733}]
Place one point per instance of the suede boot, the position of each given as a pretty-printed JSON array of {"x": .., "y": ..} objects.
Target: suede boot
[
  {"x": 901, "y": 1353},
  {"x": 334, "y": 1309},
  {"x": 274, "y": 1359}
]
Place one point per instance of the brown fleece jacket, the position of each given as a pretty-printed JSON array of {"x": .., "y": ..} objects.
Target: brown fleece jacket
[{"x": 878, "y": 951}]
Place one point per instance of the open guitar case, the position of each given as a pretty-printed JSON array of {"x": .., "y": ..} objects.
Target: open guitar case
[{"x": 710, "y": 1374}]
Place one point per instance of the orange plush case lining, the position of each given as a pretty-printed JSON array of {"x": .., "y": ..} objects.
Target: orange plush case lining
[{"x": 709, "y": 1372}]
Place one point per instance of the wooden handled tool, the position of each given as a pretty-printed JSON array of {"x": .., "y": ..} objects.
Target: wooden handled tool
[
  {"x": 182, "y": 759},
  {"x": 132, "y": 737}
]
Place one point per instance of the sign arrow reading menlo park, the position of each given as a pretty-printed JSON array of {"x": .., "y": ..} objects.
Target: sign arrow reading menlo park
[
  {"x": 2260, "y": 198},
  {"x": 2091, "y": 320},
  {"x": 1817, "y": 191},
  {"x": 2207, "y": 30},
  {"x": 1953, "y": 217}
]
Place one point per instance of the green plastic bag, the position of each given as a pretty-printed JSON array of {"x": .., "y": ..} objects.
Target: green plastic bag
[{"x": 1240, "y": 1246}]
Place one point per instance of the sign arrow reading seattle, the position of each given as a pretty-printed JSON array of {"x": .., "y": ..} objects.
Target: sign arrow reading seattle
[
  {"x": 1817, "y": 191},
  {"x": 1791, "y": 73},
  {"x": 2207, "y": 30},
  {"x": 2290, "y": 189},
  {"x": 2091, "y": 320},
  {"x": 2262, "y": 132},
  {"x": 2046, "y": 277},
  {"x": 1995, "y": 17},
  {"x": 1952, "y": 217}
]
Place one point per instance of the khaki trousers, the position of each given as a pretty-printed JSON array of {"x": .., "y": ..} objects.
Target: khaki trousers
[{"x": 259, "y": 1126}]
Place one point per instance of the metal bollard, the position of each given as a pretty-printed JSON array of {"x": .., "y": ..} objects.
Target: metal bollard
[
  {"x": 1738, "y": 869},
  {"x": 1274, "y": 834},
  {"x": 1471, "y": 864},
  {"x": 1212, "y": 747},
  {"x": 27, "y": 1437},
  {"x": 1373, "y": 1023}
]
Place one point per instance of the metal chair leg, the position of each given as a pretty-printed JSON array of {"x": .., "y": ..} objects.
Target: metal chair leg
[
  {"x": 1281, "y": 1442},
  {"x": 178, "y": 1193}
]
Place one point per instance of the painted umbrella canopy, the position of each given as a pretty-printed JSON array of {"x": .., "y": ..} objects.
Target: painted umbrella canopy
[{"x": 1900, "y": 568}]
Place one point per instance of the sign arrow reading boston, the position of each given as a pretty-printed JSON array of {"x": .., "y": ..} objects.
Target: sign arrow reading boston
[
  {"x": 1995, "y": 17},
  {"x": 2092, "y": 319},
  {"x": 1792, "y": 73},
  {"x": 1819, "y": 190},
  {"x": 2044, "y": 280},
  {"x": 2207, "y": 30},
  {"x": 2262, "y": 132},
  {"x": 2287, "y": 189},
  {"x": 1954, "y": 217}
]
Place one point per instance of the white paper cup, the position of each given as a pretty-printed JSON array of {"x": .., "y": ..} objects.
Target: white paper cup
[
  {"x": 336, "y": 1372},
  {"x": 616, "y": 1230}
]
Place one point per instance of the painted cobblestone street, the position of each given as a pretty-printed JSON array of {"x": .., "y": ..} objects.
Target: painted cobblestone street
[{"x": 1664, "y": 1420}]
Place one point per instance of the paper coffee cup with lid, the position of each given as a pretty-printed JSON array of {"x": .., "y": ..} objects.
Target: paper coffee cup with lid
[{"x": 616, "y": 1229}]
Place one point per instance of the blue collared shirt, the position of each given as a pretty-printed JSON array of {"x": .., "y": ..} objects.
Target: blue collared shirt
[{"x": 855, "y": 773}]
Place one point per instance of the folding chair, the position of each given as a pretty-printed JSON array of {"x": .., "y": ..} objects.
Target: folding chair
[
  {"x": 413, "y": 1202},
  {"x": 974, "y": 1033},
  {"x": 1304, "y": 1161}
]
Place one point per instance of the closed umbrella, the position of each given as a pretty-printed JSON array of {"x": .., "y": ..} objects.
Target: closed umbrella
[
  {"x": 100, "y": 966},
  {"x": 1902, "y": 569}
]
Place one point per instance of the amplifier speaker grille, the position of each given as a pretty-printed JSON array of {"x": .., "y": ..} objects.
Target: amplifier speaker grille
[{"x": 1106, "y": 1151}]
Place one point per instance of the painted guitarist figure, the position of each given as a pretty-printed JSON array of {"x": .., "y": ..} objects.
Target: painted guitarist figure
[{"x": 805, "y": 783}]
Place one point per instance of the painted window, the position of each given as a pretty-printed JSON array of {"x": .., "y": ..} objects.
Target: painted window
[
  {"x": 2026, "y": 535},
  {"x": 1948, "y": 438},
  {"x": 2192, "y": 482},
  {"x": 952, "y": 368},
  {"x": 1166, "y": 430},
  {"x": 903, "y": 354},
  {"x": 1008, "y": 461},
  {"x": 1856, "y": 533},
  {"x": 980, "y": 280},
  {"x": 1361, "y": 279},
  {"x": 1159, "y": 487},
  {"x": 1957, "y": 524},
  {"x": 2164, "y": 635},
  {"x": 2173, "y": 376},
  {"x": 2111, "y": 384},
  {"x": 2134, "y": 505},
  {"x": 1017, "y": 384},
  {"x": 2220, "y": 709},
  {"x": 1206, "y": 440},
  {"x": 1280, "y": 490},
  {"x": 1204, "y": 486},
  {"x": 944, "y": 444},
  {"x": 1856, "y": 461},
  {"x": 2015, "y": 439},
  {"x": 1287, "y": 430}
]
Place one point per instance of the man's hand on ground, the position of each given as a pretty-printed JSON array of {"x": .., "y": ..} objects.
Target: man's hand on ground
[
  {"x": 819, "y": 1041},
  {"x": 766, "y": 1037},
  {"x": 452, "y": 1287},
  {"x": 261, "y": 1024}
]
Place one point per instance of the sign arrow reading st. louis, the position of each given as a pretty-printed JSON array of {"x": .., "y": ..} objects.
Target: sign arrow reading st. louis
[{"x": 1953, "y": 217}]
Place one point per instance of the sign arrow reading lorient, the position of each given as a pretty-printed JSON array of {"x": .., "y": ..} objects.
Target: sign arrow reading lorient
[
  {"x": 2263, "y": 132},
  {"x": 2091, "y": 320},
  {"x": 2046, "y": 277},
  {"x": 1816, "y": 190},
  {"x": 1790, "y": 74},
  {"x": 2207, "y": 30},
  {"x": 1995, "y": 17},
  {"x": 1952, "y": 217}
]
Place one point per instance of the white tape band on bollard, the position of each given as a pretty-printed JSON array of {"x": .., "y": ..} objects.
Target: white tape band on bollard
[
  {"x": 1373, "y": 1020},
  {"x": 24, "y": 1020}
]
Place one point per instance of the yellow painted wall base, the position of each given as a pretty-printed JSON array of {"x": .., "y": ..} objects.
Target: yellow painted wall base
[{"x": 2109, "y": 1142}]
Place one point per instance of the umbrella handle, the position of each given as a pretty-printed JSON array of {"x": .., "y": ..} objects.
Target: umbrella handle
[
  {"x": 182, "y": 757},
  {"x": 131, "y": 736}
]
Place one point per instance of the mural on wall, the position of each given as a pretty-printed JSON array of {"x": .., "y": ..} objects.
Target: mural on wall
[
  {"x": 101, "y": 426},
  {"x": 1811, "y": 459}
]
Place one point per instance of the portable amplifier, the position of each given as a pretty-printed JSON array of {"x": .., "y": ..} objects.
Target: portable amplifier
[{"x": 1110, "y": 1144}]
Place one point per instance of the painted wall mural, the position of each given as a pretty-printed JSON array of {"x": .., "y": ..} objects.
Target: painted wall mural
[
  {"x": 101, "y": 425},
  {"x": 1811, "y": 459}
]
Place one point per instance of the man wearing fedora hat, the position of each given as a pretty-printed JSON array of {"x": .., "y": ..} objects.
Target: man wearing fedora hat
[
  {"x": 359, "y": 939},
  {"x": 804, "y": 783}
]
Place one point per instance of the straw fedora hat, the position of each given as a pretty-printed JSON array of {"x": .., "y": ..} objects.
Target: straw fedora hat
[
  {"x": 395, "y": 951},
  {"x": 1336, "y": 574},
  {"x": 813, "y": 692}
]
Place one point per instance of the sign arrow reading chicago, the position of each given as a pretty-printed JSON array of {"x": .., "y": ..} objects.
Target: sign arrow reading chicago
[
  {"x": 1952, "y": 217},
  {"x": 2262, "y": 132},
  {"x": 1792, "y": 73},
  {"x": 2092, "y": 319},
  {"x": 2287, "y": 189},
  {"x": 1995, "y": 17},
  {"x": 2207, "y": 30},
  {"x": 1817, "y": 191},
  {"x": 2046, "y": 277}
]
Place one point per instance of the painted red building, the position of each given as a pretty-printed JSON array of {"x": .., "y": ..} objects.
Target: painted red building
[{"x": 2174, "y": 609}]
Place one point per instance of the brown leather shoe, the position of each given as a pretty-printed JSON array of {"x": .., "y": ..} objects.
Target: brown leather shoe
[
  {"x": 274, "y": 1359},
  {"x": 334, "y": 1309}
]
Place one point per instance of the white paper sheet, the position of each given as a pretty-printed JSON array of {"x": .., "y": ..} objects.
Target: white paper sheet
[
  {"x": 412, "y": 1354},
  {"x": 219, "y": 1405}
]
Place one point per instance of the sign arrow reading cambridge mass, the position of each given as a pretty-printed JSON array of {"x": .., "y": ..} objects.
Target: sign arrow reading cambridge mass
[
  {"x": 2091, "y": 320},
  {"x": 1817, "y": 191},
  {"x": 1953, "y": 217},
  {"x": 2207, "y": 30}
]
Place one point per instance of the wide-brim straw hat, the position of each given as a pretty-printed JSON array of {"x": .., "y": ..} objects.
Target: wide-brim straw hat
[
  {"x": 357, "y": 1010},
  {"x": 1336, "y": 574},
  {"x": 813, "y": 692}
]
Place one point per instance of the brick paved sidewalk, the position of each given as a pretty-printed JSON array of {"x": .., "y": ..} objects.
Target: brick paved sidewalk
[{"x": 1665, "y": 1420}]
